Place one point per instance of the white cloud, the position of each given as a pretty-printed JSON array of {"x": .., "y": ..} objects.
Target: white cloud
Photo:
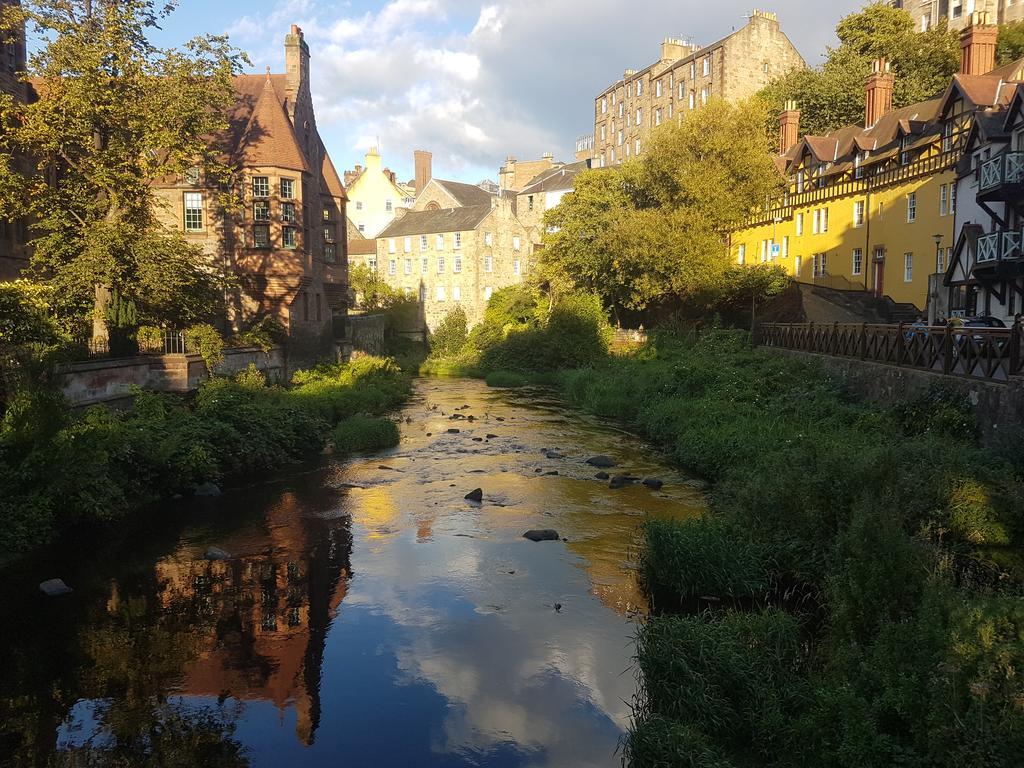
[{"x": 474, "y": 81}]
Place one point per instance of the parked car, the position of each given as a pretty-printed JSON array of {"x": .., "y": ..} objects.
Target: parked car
[{"x": 962, "y": 340}]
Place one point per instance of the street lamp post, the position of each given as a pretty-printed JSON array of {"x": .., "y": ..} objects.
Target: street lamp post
[{"x": 933, "y": 296}]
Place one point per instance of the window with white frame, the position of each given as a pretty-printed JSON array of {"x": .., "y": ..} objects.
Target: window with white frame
[
  {"x": 287, "y": 211},
  {"x": 359, "y": 205},
  {"x": 261, "y": 210},
  {"x": 439, "y": 243},
  {"x": 764, "y": 251},
  {"x": 799, "y": 225},
  {"x": 704, "y": 95},
  {"x": 636, "y": 148},
  {"x": 288, "y": 237},
  {"x": 407, "y": 245},
  {"x": 488, "y": 239},
  {"x": 423, "y": 242},
  {"x": 487, "y": 292},
  {"x": 798, "y": 264},
  {"x": 287, "y": 189},
  {"x": 908, "y": 267},
  {"x": 392, "y": 267},
  {"x": 488, "y": 263},
  {"x": 693, "y": 99},
  {"x": 693, "y": 70},
  {"x": 912, "y": 207},
  {"x": 440, "y": 293},
  {"x": 741, "y": 256},
  {"x": 517, "y": 244},
  {"x": 816, "y": 221},
  {"x": 261, "y": 186},
  {"x": 858, "y": 213},
  {"x": 440, "y": 264},
  {"x": 785, "y": 247},
  {"x": 707, "y": 66},
  {"x": 371, "y": 262},
  {"x": 408, "y": 266},
  {"x": 639, "y": 116},
  {"x": 604, "y": 105},
  {"x": 458, "y": 240},
  {"x": 657, "y": 89},
  {"x": 424, "y": 264},
  {"x": 858, "y": 261},
  {"x": 639, "y": 87},
  {"x": 657, "y": 116},
  {"x": 457, "y": 264},
  {"x": 193, "y": 202},
  {"x": 388, "y": 206},
  {"x": 391, "y": 245},
  {"x": 944, "y": 200}
]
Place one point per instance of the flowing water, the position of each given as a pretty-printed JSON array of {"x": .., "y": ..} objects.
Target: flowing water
[{"x": 368, "y": 614}]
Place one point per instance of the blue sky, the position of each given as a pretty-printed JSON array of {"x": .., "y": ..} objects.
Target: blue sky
[{"x": 474, "y": 80}]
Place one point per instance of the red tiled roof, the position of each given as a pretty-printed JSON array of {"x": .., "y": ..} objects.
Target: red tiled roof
[{"x": 269, "y": 139}]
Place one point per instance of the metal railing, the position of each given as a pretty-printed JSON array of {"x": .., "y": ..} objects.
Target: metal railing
[
  {"x": 994, "y": 354},
  {"x": 171, "y": 342},
  {"x": 1007, "y": 168}
]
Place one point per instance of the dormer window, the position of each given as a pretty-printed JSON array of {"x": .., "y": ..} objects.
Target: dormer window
[
  {"x": 905, "y": 143},
  {"x": 947, "y": 136},
  {"x": 799, "y": 181},
  {"x": 858, "y": 164}
]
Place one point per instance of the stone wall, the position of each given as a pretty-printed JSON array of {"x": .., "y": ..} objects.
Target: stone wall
[
  {"x": 996, "y": 407},
  {"x": 97, "y": 381}
]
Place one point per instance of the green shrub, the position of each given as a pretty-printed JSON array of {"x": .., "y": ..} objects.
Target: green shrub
[
  {"x": 25, "y": 316},
  {"x": 685, "y": 559},
  {"x": 506, "y": 379},
  {"x": 207, "y": 342},
  {"x": 450, "y": 336},
  {"x": 363, "y": 434},
  {"x": 266, "y": 333},
  {"x": 660, "y": 742}
]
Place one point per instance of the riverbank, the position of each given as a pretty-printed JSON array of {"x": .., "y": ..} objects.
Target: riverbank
[
  {"x": 60, "y": 469},
  {"x": 842, "y": 604}
]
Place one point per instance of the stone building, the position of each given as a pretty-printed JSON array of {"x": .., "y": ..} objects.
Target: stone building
[
  {"x": 374, "y": 195},
  {"x": 543, "y": 193},
  {"x": 285, "y": 246},
  {"x": 928, "y": 13},
  {"x": 455, "y": 256},
  {"x": 685, "y": 78},
  {"x": 516, "y": 174},
  {"x": 13, "y": 234}
]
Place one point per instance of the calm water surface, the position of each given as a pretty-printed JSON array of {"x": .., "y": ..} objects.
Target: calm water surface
[{"x": 368, "y": 616}]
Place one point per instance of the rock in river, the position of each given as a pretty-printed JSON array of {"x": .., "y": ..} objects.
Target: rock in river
[
  {"x": 601, "y": 462},
  {"x": 453, "y": 431},
  {"x": 541, "y": 535},
  {"x": 208, "y": 489},
  {"x": 477, "y": 495},
  {"x": 216, "y": 553},
  {"x": 55, "y": 588},
  {"x": 602, "y": 476},
  {"x": 621, "y": 481},
  {"x": 653, "y": 483}
]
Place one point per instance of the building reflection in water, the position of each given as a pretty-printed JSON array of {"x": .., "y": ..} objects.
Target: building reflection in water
[{"x": 270, "y": 607}]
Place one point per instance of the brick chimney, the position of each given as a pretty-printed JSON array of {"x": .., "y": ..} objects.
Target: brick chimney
[
  {"x": 978, "y": 45},
  {"x": 296, "y": 66},
  {"x": 879, "y": 92},
  {"x": 789, "y": 127},
  {"x": 423, "y": 162}
]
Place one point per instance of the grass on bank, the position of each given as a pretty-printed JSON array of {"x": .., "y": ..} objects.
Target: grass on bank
[
  {"x": 59, "y": 469},
  {"x": 865, "y": 532}
]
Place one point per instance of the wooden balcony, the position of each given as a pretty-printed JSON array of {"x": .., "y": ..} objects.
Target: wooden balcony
[
  {"x": 1002, "y": 178},
  {"x": 998, "y": 247}
]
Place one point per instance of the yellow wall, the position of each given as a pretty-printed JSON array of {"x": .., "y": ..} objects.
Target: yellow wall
[
  {"x": 885, "y": 226},
  {"x": 373, "y": 198}
]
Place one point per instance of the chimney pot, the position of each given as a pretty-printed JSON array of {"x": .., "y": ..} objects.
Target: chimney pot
[
  {"x": 878, "y": 94},
  {"x": 789, "y": 127},
  {"x": 423, "y": 164}
]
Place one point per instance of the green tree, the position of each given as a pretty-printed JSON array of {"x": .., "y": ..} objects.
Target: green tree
[
  {"x": 372, "y": 293},
  {"x": 832, "y": 95},
  {"x": 1010, "y": 46},
  {"x": 114, "y": 113},
  {"x": 654, "y": 230},
  {"x": 751, "y": 286}
]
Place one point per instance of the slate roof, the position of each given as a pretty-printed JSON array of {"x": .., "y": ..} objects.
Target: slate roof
[
  {"x": 554, "y": 179},
  {"x": 445, "y": 220},
  {"x": 466, "y": 194},
  {"x": 362, "y": 247}
]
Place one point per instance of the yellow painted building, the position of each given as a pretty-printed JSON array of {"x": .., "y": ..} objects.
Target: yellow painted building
[
  {"x": 374, "y": 195},
  {"x": 872, "y": 208}
]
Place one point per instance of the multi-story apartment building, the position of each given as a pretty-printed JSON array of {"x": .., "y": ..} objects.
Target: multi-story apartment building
[
  {"x": 374, "y": 195},
  {"x": 985, "y": 275},
  {"x": 871, "y": 207},
  {"x": 543, "y": 193},
  {"x": 286, "y": 244},
  {"x": 455, "y": 256},
  {"x": 13, "y": 235},
  {"x": 928, "y": 13},
  {"x": 685, "y": 78}
]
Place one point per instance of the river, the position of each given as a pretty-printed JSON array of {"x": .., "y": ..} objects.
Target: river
[{"x": 368, "y": 615}]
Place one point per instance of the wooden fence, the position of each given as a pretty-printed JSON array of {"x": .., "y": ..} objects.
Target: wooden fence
[{"x": 993, "y": 354}]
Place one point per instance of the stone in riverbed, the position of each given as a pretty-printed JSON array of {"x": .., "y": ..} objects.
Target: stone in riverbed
[
  {"x": 602, "y": 476},
  {"x": 552, "y": 472},
  {"x": 453, "y": 431},
  {"x": 541, "y": 535},
  {"x": 477, "y": 495},
  {"x": 653, "y": 483},
  {"x": 216, "y": 553},
  {"x": 621, "y": 481},
  {"x": 554, "y": 455},
  {"x": 491, "y": 436},
  {"x": 601, "y": 462},
  {"x": 55, "y": 588},
  {"x": 209, "y": 490}
]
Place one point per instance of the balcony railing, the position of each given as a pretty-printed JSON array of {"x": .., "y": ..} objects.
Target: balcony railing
[
  {"x": 1003, "y": 170},
  {"x": 997, "y": 246}
]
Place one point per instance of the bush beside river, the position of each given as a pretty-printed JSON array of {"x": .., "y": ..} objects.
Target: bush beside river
[
  {"x": 850, "y": 600},
  {"x": 59, "y": 469}
]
